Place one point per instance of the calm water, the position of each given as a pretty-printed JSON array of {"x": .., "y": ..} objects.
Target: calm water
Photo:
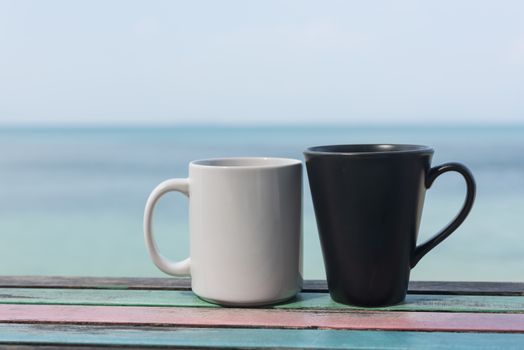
[{"x": 71, "y": 200}]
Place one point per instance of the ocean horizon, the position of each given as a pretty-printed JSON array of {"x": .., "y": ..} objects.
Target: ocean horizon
[{"x": 72, "y": 198}]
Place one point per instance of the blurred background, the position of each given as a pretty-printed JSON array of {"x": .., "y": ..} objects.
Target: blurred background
[{"x": 102, "y": 100}]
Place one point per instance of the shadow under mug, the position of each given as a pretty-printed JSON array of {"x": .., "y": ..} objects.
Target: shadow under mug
[
  {"x": 245, "y": 223},
  {"x": 368, "y": 203}
]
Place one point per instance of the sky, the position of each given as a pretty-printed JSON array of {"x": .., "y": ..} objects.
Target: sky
[{"x": 252, "y": 62}]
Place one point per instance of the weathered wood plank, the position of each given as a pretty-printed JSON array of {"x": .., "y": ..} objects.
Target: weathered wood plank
[
  {"x": 304, "y": 301},
  {"x": 95, "y": 282},
  {"x": 471, "y": 288},
  {"x": 467, "y": 288},
  {"x": 255, "y": 318},
  {"x": 68, "y": 347},
  {"x": 71, "y": 347},
  {"x": 71, "y": 335}
]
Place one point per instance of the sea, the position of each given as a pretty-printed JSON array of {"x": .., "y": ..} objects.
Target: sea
[{"x": 72, "y": 198}]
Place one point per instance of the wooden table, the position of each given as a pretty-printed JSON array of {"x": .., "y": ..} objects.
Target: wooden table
[{"x": 50, "y": 312}]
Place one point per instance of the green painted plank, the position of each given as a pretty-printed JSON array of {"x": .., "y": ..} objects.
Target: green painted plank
[
  {"x": 252, "y": 338},
  {"x": 305, "y": 301},
  {"x": 421, "y": 302}
]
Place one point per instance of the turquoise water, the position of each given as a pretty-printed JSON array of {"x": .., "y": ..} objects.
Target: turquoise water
[{"x": 71, "y": 200}]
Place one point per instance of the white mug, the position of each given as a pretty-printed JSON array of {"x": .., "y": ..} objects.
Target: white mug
[{"x": 245, "y": 223}]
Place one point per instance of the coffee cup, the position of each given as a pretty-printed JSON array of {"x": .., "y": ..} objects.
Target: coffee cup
[
  {"x": 368, "y": 202},
  {"x": 245, "y": 223}
]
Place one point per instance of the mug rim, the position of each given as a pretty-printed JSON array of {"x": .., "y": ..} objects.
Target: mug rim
[
  {"x": 244, "y": 163},
  {"x": 369, "y": 149}
]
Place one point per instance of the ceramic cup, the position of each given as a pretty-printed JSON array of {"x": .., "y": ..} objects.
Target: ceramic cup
[
  {"x": 245, "y": 220},
  {"x": 368, "y": 203}
]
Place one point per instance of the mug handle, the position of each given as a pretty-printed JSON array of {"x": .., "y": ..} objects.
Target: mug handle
[
  {"x": 179, "y": 268},
  {"x": 433, "y": 173}
]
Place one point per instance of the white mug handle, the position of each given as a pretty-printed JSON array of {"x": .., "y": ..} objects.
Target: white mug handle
[{"x": 178, "y": 268}]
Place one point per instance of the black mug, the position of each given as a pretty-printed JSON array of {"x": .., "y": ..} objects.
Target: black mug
[{"x": 368, "y": 203}]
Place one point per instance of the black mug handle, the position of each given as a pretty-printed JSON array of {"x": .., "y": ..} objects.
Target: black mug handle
[{"x": 432, "y": 174}]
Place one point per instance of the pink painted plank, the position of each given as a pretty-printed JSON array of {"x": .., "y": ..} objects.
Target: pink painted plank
[{"x": 229, "y": 317}]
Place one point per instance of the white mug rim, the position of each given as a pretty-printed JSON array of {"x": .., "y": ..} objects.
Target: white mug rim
[{"x": 244, "y": 163}]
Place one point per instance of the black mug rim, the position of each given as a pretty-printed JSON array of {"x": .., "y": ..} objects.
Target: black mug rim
[{"x": 369, "y": 149}]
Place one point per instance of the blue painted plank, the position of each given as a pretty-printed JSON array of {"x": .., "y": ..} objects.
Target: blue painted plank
[{"x": 52, "y": 334}]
